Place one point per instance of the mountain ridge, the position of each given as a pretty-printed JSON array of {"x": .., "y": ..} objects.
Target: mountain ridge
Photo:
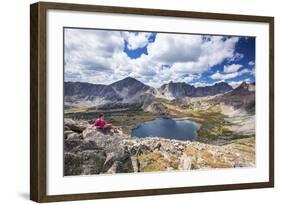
[{"x": 131, "y": 90}]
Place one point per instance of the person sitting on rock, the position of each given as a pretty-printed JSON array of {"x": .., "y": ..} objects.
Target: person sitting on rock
[{"x": 102, "y": 124}]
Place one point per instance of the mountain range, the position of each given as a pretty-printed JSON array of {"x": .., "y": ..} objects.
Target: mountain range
[{"x": 130, "y": 90}]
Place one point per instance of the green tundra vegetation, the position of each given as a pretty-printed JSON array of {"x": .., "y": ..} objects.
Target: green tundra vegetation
[{"x": 214, "y": 125}]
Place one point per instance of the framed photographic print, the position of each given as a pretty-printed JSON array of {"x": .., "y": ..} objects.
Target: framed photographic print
[{"x": 134, "y": 102}]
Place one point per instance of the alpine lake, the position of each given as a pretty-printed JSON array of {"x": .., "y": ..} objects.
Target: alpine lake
[{"x": 169, "y": 128}]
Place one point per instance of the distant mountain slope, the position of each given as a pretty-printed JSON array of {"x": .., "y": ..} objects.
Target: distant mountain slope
[
  {"x": 241, "y": 97},
  {"x": 215, "y": 89},
  {"x": 87, "y": 89},
  {"x": 177, "y": 90},
  {"x": 130, "y": 90},
  {"x": 181, "y": 90},
  {"x": 78, "y": 93}
]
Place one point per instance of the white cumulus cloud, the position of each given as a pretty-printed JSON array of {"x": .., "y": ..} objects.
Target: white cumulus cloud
[
  {"x": 97, "y": 56},
  {"x": 251, "y": 63},
  {"x": 136, "y": 39},
  {"x": 232, "y": 68},
  {"x": 226, "y": 76}
]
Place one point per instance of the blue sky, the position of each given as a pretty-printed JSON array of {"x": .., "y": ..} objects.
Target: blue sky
[{"x": 104, "y": 56}]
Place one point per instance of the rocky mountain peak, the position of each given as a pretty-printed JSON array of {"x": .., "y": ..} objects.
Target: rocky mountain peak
[
  {"x": 244, "y": 88},
  {"x": 243, "y": 84},
  {"x": 127, "y": 81},
  {"x": 129, "y": 88},
  {"x": 221, "y": 84}
]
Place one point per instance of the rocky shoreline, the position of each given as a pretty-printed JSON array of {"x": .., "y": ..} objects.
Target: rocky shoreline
[{"x": 93, "y": 151}]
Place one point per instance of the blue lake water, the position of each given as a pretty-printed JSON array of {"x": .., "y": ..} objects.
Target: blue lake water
[{"x": 169, "y": 128}]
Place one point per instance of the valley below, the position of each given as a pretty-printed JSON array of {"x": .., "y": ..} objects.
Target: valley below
[{"x": 225, "y": 137}]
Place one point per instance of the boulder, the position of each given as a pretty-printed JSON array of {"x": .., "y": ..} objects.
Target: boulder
[
  {"x": 158, "y": 146},
  {"x": 76, "y": 126},
  {"x": 135, "y": 164},
  {"x": 185, "y": 162},
  {"x": 72, "y": 164},
  {"x": 114, "y": 168},
  {"x": 74, "y": 136},
  {"x": 85, "y": 145},
  {"x": 109, "y": 142},
  {"x": 109, "y": 161},
  {"x": 92, "y": 161},
  {"x": 66, "y": 133},
  {"x": 100, "y": 152},
  {"x": 69, "y": 145}
]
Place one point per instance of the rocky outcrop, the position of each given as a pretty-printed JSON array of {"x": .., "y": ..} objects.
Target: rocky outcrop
[
  {"x": 75, "y": 126},
  {"x": 97, "y": 151}
]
